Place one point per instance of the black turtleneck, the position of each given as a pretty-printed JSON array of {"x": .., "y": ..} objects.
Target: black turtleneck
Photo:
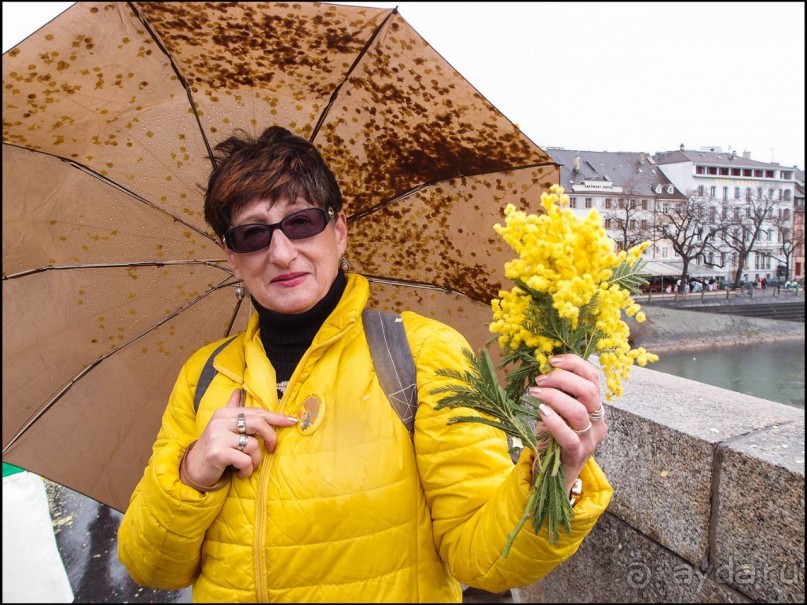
[{"x": 287, "y": 337}]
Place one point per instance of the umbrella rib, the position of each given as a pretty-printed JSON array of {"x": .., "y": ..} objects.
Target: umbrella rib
[
  {"x": 139, "y": 198},
  {"x": 180, "y": 77},
  {"x": 355, "y": 64},
  {"x": 89, "y": 171},
  {"x": 381, "y": 205},
  {"x": 47, "y": 406},
  {"x": 209, "y": 262},
  {"x": 395, "y": 281}
]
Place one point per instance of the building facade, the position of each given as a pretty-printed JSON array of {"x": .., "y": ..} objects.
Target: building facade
[
  {"x": 798, "y": 227},
  {"x": 634, "y": 192},
  {"x": 738, "y": 184},
  {"x": 628, "y": 190}
]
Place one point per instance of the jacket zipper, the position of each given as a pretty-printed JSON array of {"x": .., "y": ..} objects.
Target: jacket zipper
[{"x": 261, "y": 579}]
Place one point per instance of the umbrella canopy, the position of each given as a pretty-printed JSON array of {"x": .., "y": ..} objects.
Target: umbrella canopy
[{"x": 111, "y": 278}]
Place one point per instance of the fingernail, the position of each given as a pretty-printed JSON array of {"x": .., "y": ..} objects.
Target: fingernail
[
  {"x": 534, "y": 392},
  {"x": 556, "y": 360},
  {"x": 293, "y": 418},
  {"x": 540, "y": 379},
  {"x": 545, "y": 410}
]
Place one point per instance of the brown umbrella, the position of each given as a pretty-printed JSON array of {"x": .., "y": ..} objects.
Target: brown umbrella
[{"x": 111, "y": 277}]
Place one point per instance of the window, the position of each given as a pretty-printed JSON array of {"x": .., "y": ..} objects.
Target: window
[
  {"x": 747, "y": 194},
  {"x": 632, "y": 225},
  {"x": 573, "y": 202},
  {"x": 700, "y": 190},
  {"x": 632, "y": 203},
  {"x": 608, "y": 202},
  {"x": 644, "y": 204},
  {"x": 700, "y": 169},
  {"x": 712, "y": 213},
  {"x": 736, "y": 193},
  {"x": 735, "y": 172},
  {"x": 769, "y": 174},
  {"x": 712, "y": 170},
  {"x": 644, "y": 225},
  {"x": 725, "y": 193},
  {"x": 788, "y": 193},
  {"x": 588, "y": 202},
  {"x": 724, "y": 172},
  {"x": 608, "y": 223},
  {"x": 712, "y": 191}
]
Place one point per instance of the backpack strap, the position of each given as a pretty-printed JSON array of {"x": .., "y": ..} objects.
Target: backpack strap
[
  {"x": 393, "y": 362},
  {"x": 207, "y": 375}
]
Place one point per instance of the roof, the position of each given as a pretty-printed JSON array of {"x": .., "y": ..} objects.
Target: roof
[
  {"x": 635, "y": 172},
  {"x": 713, "y": 158}
]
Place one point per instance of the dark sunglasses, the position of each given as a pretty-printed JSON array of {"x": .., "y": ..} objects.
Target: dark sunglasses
[{"x": 297, "y": 225}]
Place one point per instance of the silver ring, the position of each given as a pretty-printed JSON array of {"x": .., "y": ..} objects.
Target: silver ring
[
  {"x": 242, "y": 424},
  {"x": 583, "y": 431},
  {"x": 243, "y": 440},
  {"x": 598, "y": 414}
]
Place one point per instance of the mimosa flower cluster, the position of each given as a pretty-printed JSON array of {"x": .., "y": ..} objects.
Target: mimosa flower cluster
[{"x": 571, "y": 289}]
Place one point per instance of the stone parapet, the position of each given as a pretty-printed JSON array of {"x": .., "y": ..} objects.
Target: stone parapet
[{"x": 708, "y": 501}]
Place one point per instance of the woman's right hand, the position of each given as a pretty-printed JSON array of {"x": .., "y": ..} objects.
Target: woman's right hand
[{"x": 220, "y": 443}]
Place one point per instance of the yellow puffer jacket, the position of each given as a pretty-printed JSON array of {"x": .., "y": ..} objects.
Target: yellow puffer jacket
[{"x": 345, "y": 509}]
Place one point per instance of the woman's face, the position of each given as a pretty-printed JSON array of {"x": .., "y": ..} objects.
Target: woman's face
[{"x": 289, "y": 276}]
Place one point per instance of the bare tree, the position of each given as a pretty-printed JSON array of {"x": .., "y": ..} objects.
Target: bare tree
[
  {"x": 783, "y": 223},
  {"x": 628, "y": 220},
  {"x": 743, "y": 222},
  {"x": 692, "y": 227}
]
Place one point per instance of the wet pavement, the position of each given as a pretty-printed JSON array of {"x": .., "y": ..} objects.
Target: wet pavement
[{"x": 87, "y": 538}]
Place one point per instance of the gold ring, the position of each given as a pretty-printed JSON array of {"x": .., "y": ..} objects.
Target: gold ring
[{"x": 583, "y": 431}]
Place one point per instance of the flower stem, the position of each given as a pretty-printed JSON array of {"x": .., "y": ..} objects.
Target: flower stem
[{"x": 547, "y": 499}]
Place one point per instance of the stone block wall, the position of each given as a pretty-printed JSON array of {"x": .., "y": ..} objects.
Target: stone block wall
[{"x": 708, "y": 501}]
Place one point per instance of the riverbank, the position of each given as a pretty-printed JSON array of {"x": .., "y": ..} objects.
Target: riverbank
[{"x": 668, "y": 329}]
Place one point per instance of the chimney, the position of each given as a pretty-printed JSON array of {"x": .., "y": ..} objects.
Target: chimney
[
  {"x": 747, "y": 154},
  {"x": 681, "y": 147},
  {"x": 577, "y": 163}
]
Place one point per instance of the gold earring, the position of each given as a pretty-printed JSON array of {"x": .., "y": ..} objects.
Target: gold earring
[
  {"x": 344, "y": 265},
  {"x": 240, "y": 291}
]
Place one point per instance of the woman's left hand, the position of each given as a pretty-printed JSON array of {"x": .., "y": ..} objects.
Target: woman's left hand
[{"x": 570, "y": 396}]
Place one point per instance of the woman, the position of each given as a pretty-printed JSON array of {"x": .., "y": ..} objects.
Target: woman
[{"x": 295, "y": 480}]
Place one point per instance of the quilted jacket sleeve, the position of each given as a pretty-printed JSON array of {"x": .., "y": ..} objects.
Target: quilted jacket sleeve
[
  {"x": 161, "y": 534},
  {"x": 475, "y": 493}
]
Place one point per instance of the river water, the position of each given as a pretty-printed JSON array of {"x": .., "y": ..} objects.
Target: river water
[{"x": 769, "y": 370}]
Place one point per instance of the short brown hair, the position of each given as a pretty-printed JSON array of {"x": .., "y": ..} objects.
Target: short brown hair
[{"x": 276, "y": 164}]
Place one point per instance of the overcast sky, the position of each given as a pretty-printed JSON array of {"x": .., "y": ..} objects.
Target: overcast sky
[{"x": 612, "y": 76}]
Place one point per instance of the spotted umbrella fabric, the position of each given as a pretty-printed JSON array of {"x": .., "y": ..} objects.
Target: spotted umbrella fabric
[{"x": 111, "y": 277}]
